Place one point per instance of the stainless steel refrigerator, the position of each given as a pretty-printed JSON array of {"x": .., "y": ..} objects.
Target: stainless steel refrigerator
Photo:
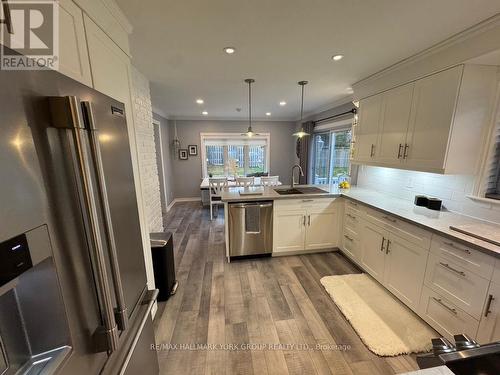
[{"x": 68, "y": 202}]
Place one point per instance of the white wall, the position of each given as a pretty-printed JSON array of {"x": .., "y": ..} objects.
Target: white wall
[
  {"x": 452, "y": 189},
  {"x": 144, "y": 130}
]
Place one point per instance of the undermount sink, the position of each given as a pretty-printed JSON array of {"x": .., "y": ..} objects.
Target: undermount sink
[
  {"x": 301, "y": 190},
  {"x": 287, "y": 191}
]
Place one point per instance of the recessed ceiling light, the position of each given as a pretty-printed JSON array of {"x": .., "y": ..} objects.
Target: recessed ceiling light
[
  {"x": 200, "y": 101},
  {"x": 268, "y": 113},
  {"x": 229, "y": 50},
  {"x": 337, "y": 57},
  {"x": 282, "y": 103},
  {"x": 204, "y": 113}
]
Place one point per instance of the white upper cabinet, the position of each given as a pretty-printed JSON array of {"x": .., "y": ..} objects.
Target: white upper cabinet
[
  {"x": 435, "y": 124},
  {"x": 73, "y": 55},
  {"x": 432, "y": 117},
  {"x": 368, "y": 128},
  {"x": 396, "y": 107}
]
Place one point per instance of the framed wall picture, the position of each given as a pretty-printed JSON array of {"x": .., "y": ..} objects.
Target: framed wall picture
[
  {"x": 193, "y": 150},
  {"x": 183, "y": 154}
]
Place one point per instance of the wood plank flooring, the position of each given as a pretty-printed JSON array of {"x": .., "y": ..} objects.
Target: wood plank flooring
[{"x": 254, "y": 306}]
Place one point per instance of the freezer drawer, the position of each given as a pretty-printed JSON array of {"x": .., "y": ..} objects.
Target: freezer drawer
[{"x": 250, "y": 228}]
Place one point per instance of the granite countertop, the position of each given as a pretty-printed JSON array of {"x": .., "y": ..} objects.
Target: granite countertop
[{"x": 436, "y": 221}]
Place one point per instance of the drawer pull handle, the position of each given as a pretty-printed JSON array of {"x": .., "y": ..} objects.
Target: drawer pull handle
[
  {"x": 438, "y": 300},
  {"x": 389, "y": 218},
  {"x": 354, "y": 204},
  {"x": 382, "y": 245},
  {"x": 349, "y": 238},
  {"x": 451, "y": 244},
  {"x": 351, "y": 216},
  {"x": 488, "y": 305},
  {"x": 446, "y": 265},
  {"x": 307, "y": 200}
]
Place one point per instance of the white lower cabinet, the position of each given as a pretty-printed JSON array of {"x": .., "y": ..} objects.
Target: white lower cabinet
[
  {"x": 289, "y": 230},
  {"x": 373, "y": 240},
  {"x": 405, "y": 270},
  {"x": 351, "y": 244},
  {"x": 444, "y": 316},
  {"x": 320, "y": 233},
  {"x": 397, "y": 264},
  {"x": 465, "y": 289},
  {"x": 305, "y": 225},
  {"x": 489, "y": 328}
]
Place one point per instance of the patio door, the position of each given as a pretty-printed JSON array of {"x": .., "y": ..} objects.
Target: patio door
[{"x": 331, "y": 156}]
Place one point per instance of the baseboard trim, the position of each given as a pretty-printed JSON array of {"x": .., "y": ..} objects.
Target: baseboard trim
[{"x": 179, "y": 200}]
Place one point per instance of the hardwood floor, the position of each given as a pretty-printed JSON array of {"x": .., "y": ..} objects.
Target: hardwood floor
[{"x": 259, "y": 303}]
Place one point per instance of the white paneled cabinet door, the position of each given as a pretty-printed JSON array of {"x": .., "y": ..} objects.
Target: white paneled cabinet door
[
  {"x": 405, "y": 270},
  {"x": 289, "y": 230},
  {"x": 395, "y": 116},
  {"x": 434, "y": 103},
  {"x": 373, "y": 241},
  {"x": 367, "y": 128},
  {"x": 321, "y": 230},
  {"x": 73, "y": 54},
  {"x": 489, "y": 328}
]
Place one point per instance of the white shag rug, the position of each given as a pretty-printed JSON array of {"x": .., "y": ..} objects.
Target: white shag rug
[{"x": 384, "y": 324}]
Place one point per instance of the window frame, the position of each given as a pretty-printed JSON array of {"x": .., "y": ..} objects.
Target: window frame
[
  {"x": 232, "y": 136},
  {"x": 332, "y": 127}
]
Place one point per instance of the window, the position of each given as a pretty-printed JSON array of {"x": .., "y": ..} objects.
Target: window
[
  {"x": 331, "y": 156},
  {"x": 493, "y": 165},
  {"x": 229, "y": 154}
]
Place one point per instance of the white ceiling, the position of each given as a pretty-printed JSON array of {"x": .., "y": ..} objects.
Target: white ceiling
[{"x": 178, "y": 45}]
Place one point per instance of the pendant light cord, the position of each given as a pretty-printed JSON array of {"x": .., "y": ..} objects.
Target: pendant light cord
[
  {"x": 302, "y": 105},
  {"x": 250, "y": 104}
]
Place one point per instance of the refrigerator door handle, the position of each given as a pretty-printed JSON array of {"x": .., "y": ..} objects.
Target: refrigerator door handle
[
  {"x": 147, "y": 304},
  {"x": 121, "y": 313},
  {"x": 66, "y": 114}
]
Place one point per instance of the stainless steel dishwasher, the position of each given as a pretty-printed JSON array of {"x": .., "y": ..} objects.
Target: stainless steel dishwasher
[{"x": 250, "y": 228}]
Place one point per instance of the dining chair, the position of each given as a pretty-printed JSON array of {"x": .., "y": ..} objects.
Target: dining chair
[
  {"x": 270, "y": 180},
  {"x": 216, "y": 185},
  {"x": 245, "y": 181}
]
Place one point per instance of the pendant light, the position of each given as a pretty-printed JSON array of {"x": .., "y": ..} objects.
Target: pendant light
[
  {"x": 301, "y": 133},
  {"x": 249, "y": 132}
]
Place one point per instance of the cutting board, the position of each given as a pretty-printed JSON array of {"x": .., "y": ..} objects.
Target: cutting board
[{"x": 485, "y": 232}]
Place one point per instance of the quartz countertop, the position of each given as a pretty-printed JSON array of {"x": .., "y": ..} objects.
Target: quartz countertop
[
  {"x": 436, "y": 221},
  {"x": 265, "y": 193}
]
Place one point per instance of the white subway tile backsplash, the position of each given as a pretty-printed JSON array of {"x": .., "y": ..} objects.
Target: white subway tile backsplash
[{"x": 452, "y": 189}]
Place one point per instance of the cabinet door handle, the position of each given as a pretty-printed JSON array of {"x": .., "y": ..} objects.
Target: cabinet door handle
[
  {"x": 452, "y": 310},
  {"x": 488, "y": 305},
  {"x": 372, "y": 150},
  {"x": 446, "y": 265},
  {"x": 405, "y": 153},
  {"x": 387, "y": 251},
  {"x": 382, "y": 245},
  {"x": 399, "y": 150},
  {"x": 309, "y": 220},
  {"x": 390, "y": 219},
  {"x": 304, "y": 220},
  {"x": 451, "y": 244}
]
